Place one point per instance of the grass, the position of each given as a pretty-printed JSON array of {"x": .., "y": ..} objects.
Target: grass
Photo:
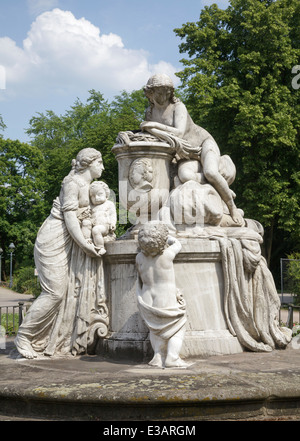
[{"x": 10, "y": 322}]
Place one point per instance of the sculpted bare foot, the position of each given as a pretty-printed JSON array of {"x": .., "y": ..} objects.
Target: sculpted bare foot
[
  {"x": 25, "y": 348},
  {"x": 237, "y": 217},
  {"x": 100, "y": 250},
  {"x": 175, "y": 362},
  {"x": 156, "y": 361}
]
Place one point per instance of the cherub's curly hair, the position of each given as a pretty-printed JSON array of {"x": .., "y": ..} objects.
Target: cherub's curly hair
[
  {"x": 100, "y": 184},
  {"x": 153, "y": 236},
  {"x": 145, "y": 164}
]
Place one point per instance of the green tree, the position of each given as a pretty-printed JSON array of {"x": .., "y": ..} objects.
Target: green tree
[
  {"x": 22, "y": 206},
  {"x": 59, "y": 138},
  {"x": 293, "y": 274},
  {"x": 237, "y": 84}
]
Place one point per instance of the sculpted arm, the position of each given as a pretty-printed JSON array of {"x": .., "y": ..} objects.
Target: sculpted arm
[
  {"x": 112, "y": 216},
  {"x": 139, "y": 283},
  {"x": 174, "y": 246},
  {"x": 180, "y": 117},
  {"x": 74, "y": 229}
]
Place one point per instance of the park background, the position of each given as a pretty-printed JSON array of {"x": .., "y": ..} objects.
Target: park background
[{"x": 72, "y": 75}]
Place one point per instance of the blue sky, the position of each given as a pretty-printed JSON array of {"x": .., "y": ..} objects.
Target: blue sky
[{"x": 53, "y": 51}]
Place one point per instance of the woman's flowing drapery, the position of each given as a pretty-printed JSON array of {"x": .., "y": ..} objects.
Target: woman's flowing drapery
[{"x": 72, "y": 305}]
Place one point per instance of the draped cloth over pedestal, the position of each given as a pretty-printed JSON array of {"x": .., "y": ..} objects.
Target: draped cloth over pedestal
[
  {"x": 183, "y": 148},
  {"x": 251, "y": 302}
]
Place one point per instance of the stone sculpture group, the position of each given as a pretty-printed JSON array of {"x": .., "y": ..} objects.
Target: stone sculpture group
[{"x": 186, "y": 280}]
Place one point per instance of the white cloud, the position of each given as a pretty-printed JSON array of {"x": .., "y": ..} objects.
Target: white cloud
[{"x": 62, "y": 53}]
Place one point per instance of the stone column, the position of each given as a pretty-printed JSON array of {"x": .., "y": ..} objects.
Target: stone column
[{"x": 144, "y": 178}]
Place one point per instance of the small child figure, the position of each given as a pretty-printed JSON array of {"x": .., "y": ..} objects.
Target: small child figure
[
  {"x": 160, "y": 302},
  {"x": 102, "y": 221}
]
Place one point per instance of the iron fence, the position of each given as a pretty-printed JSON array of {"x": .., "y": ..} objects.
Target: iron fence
[
  {"x": 289, "y": 280},
  {"x": 11, "y": 317},
  {"x": 291, "y": 317}
]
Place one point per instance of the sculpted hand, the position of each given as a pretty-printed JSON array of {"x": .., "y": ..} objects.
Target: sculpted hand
[
  {"x": 233, "y": 194},
  {"x": 171, "y": 240},
  {"x": 90, "y": 250}
]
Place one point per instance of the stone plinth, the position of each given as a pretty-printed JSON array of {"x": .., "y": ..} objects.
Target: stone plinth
[{"x": 199, "y": 276}]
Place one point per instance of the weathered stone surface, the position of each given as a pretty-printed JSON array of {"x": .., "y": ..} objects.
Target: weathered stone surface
[
  {"x": 245, "y": 386},
  {"x": 198, "y": 272}
]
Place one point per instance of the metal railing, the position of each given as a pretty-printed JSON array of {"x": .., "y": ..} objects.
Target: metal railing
[
  {"x": 290, "y": 319},
  {"x": 17, "y": 317},
  {"x": 17, "y": 312}
]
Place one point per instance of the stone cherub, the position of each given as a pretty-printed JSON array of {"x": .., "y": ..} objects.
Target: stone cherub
[
  {"x": 99, "y": 222},
  {"x": 160, "y": 303}
]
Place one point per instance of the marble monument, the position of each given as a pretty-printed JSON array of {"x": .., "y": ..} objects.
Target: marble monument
[{"x": 186, "y": 280}]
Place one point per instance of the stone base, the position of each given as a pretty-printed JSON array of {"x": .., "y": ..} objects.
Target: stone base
[
  {"x": 117, "y": 347},
  {"x": 199, "y": 277},
  {"x": 208, "y": 343}
]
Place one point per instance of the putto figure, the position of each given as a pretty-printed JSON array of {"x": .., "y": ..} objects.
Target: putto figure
[
  {"x": 101, "y": 221},
  {"x": 160, "y": 303}
]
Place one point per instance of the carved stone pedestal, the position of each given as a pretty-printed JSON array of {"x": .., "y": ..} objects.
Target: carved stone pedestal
[{"x": 199, "y": 277}]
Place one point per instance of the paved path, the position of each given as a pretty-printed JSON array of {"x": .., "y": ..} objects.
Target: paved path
[{"x": 11, "y": 298}]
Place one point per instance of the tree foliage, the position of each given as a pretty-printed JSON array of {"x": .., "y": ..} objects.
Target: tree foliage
[
  {"x": 237, "y": 84},
  {"x": 22, "y": 205},
  {"x": 293, "y": 274}
]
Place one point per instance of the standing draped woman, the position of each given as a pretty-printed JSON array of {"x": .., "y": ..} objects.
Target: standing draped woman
[{"x": 71, "y": 307}]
